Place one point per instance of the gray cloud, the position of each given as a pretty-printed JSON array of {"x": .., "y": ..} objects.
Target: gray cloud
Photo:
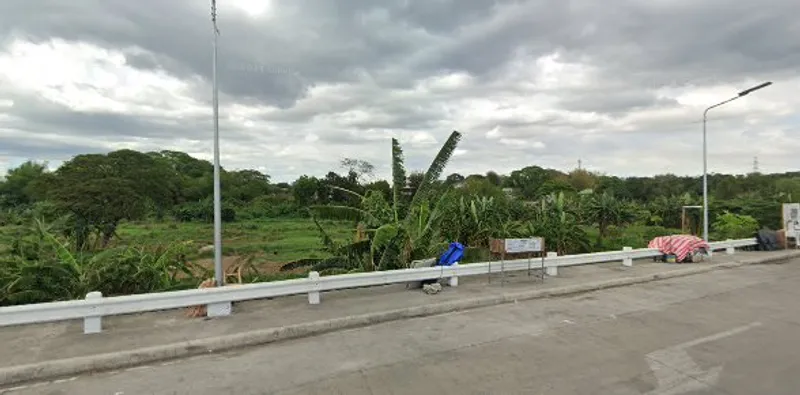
[
  {"x": 613, "y": 102},
  {"x": 39, "y": 147},
  {"x": 664, "y": 43},
  {"x": 325, "y": 80},
  {"x": 50, "y": 118}
]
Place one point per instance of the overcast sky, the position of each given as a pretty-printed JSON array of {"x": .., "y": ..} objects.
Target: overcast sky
[{"x": 618, "y": 84}]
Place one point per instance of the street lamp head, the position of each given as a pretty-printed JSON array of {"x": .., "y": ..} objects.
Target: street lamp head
[
  {"x": 705, "y": 155},
  {"x": 755, "y": 88}
]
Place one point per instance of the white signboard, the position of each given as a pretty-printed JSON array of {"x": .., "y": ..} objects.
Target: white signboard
[
  {"x": 533, "y": 244},
  {"x": 791, "y": 219}
]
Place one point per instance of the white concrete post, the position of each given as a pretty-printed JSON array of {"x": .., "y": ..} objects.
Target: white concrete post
[
  {"x": 313, "y": 296},
  {"x": 222, "y": 309},
  {"x": 93, "y": 324},
  {"x": 453, "y": 281},
  {"x": 627, "y": 260},
  {"x": 551, "y": 270},
  {"x": 729, "y": 249}
]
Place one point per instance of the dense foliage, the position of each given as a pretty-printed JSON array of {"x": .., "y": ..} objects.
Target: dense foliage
[
  {"x": 102, "y": 190},
  {"x": 69, "y": 217},
  {"x": 42, "y": 265}
]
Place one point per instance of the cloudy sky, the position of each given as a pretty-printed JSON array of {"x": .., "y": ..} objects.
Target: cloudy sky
[{"x": 618, "y": 84}]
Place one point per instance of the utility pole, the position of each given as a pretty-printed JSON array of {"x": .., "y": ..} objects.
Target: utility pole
[{"x": 219, "y": 276}]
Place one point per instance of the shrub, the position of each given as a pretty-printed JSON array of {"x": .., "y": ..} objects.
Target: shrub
[
  {"x": 203, "y": 211},
  {"x": 133, "y": 270},
  {"x": 636, "y": 236},
  {"x": 734, "y": 226},
  {"x": 10, "y": 217},
  {"x": 269, "y": 206},
  {"x": 41, "y": 267}
]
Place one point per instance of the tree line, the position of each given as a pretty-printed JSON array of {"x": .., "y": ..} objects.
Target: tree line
[
  {"x": 73, "y": 213},
  {"x": 575, "y": 212},
  {"x": 104, "y": 189}
]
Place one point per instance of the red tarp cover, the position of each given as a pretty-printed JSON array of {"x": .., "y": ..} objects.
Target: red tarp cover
[{"x": 679, "y": 245}]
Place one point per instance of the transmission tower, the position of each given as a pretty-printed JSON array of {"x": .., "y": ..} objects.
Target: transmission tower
[{"x": 755, "y": 165}]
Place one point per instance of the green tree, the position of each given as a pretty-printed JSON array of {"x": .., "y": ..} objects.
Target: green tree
[
  {"x": 156, "y": 183},
  {"x": 482, "y": 187},
  {"x": 337, "y": 186},
  {"x": 21, "y": 185},
  {"x": 245, "y": 185},
  {"x": 528, "y": 180},
  {"x": 305, "y": 190},
  {"x": 788, "y": 189},
  {"x": 454, "y": 179},
  {"x": 581, "y": 179},
  {"x": 414, "y": 181},
  {"x": 666, "y": 210},
  {"x": 364, "y": 170},
  {"x": 102, "y": 190},
  {"x": 381, "y": 186},
  {"x": 494, "y": 178},
  {"x": 555, "y": 186},
  {"x": 195, "y": 175}
]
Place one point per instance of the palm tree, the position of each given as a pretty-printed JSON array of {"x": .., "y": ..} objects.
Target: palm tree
[{"x": 394, "y": 233}]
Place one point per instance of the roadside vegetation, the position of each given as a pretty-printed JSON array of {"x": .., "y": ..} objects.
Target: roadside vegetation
[{"x": 129, "y": 222}]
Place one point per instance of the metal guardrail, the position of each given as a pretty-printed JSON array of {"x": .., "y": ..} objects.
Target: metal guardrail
[
  {"x": 719, "y": 245},
  {"x": 219, "y": 300}
]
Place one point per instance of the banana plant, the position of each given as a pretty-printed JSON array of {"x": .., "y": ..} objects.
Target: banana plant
[
  {"x": 558, "y": 226},
  {"x": 400, "y": 231}
]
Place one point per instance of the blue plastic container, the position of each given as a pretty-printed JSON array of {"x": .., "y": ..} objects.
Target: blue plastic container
[{"x": 453, "y": 255}]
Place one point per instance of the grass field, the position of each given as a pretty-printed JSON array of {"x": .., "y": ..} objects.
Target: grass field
[
  {"x": 272, "y": 242},
  {"x": 282, "y": 240}
]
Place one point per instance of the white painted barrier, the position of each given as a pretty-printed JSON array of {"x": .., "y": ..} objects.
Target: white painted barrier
[{"x": 219, "y": 300}]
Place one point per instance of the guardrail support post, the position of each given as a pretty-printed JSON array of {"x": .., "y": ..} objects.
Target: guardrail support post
[
  {"x": 453, "y": 280},
  {"x": 551, "y": 270},
  {"x": 627, "y": 260},
  {"x": 730, "y": 250},
  {"x": 222, "y": 309},
  {"x": 93, "y": 324},
  {"x": 313, "y": 296}
]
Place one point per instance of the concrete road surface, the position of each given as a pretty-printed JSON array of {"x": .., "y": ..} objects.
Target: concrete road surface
[{"x": 726, "y": 332}]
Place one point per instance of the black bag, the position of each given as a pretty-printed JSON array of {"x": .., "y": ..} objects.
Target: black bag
[{"x": 767, "y": 240}]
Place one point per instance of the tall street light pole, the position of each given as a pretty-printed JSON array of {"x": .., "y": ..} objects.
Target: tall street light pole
[
  {"x": 218, "y": 273},
  {"x": 705, "y": 151}
]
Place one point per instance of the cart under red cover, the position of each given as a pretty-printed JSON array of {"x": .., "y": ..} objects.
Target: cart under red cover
[{"x": 678, "y": 245}]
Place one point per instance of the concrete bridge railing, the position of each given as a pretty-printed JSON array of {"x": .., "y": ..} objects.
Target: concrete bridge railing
[{"x": 219, "y": 300}]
